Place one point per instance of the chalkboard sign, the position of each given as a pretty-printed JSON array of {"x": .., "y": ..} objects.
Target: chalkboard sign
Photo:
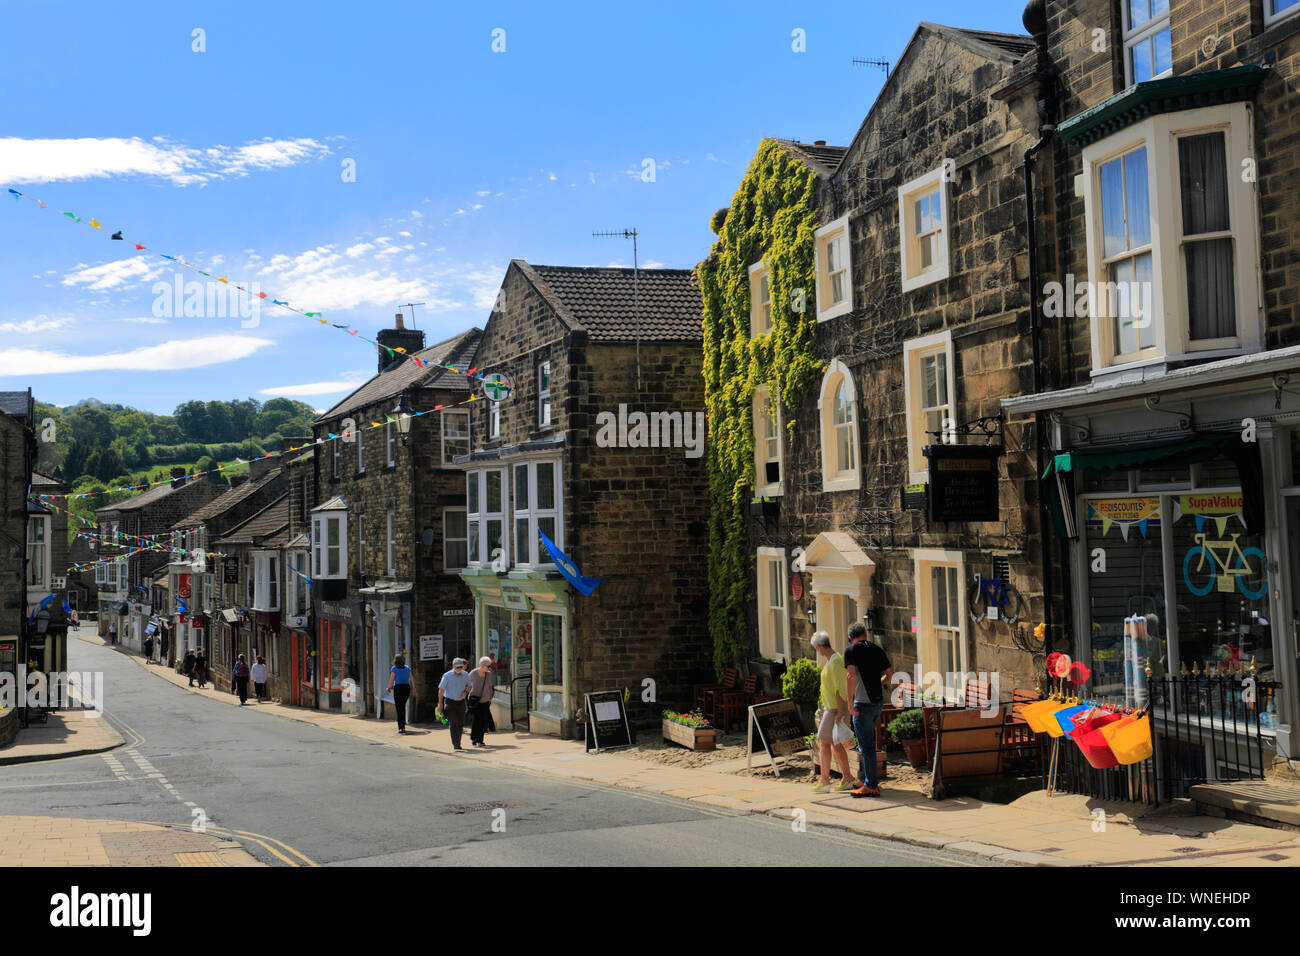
[
  {"x": 607, "y": 721},
  {"x": 777, "y": 728},
  {"x": 963, "y": 482}
]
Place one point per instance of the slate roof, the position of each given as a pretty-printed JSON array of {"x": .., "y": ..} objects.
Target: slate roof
[
  {"x": 457, "y": 351},
  {"x": 44, "y": 481},
  {"x": 226, "y": 500},
  {"x": 269, "y": 521},
  {"x": 147, "y": 497},
  {"x": 1009, "y": 45},
  {"x": 17, "y": 404},
  {"x": 822, "y": 159},
  {"x": 601, "y": 301}
]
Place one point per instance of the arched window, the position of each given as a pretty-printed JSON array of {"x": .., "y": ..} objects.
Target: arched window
[
  {"x": 838, "y": 406},
  {"x": 767, "y": 444}
]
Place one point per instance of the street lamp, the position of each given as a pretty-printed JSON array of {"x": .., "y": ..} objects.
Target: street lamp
[{"x": 403, "y": 413}]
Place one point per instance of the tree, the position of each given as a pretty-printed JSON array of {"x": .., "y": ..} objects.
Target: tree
[
  {"x": 207, "y": 464},
  {"x": 192, "y": 419},
  {"x": 243, "y": 415},
  {"x": 108, "y": 466},
  {"x": 221, "y": 424},
  {"x": 92, "y": 426}
]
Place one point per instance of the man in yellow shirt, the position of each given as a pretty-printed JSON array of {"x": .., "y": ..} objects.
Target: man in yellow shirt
[{"x": 834, "y": 708}]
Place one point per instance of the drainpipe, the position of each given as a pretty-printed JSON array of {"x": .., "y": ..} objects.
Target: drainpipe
[{"x": 1044, "y": 518}]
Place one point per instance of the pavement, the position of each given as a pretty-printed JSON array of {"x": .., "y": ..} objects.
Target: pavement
[{"x": 1062, "y": 830}]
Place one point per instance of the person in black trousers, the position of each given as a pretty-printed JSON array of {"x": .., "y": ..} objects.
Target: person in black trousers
[
  {"x": 241, "y": 679},
  {"x": 480, "y": 700},
  {"x": 189, "y": 666},
  {"x": 201, "y": 668},
  {"x": 399, "y": 684}
]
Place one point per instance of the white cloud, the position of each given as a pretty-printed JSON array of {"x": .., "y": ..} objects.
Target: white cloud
[
  {"x": 482, "y": 192},
  {"x": 361, "y": 248},
  {"x": 61, "y": 160},
  {"x": 145, "y": 320},
  {"x": 552, "y": 177},
  {"x": 112, "y": 274},
  {"x": 477, "y": 205},
  {"x": 42, "y": 323},
  {"x": 314, "y": 388},
  {"x": 166, "y": 356}
]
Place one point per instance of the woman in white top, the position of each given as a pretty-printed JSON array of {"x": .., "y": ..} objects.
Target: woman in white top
[{"x": 259, "y": 678}]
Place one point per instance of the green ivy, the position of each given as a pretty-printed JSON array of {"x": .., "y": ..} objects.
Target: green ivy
[{"x": 772, "y": 217}]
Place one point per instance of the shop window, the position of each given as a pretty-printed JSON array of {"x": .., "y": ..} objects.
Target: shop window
[
  {"x": 331, "y": 655},
  {"x": 550, "y": 650},
  {"x": 773, "y": 609},
  {"x": 498, "y": 644},
  {"x": 767, "y": 444}
]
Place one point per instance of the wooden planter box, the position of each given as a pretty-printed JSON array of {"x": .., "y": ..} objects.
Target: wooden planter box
[{"x": 693, "y": 737}]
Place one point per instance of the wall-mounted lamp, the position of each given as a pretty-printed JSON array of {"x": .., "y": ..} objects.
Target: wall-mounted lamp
[{"x": 403, "y": 412}]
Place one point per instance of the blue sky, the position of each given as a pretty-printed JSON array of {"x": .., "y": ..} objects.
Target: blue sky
[{"x": 235, "y": 158}]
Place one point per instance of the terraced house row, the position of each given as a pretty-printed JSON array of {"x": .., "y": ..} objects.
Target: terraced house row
[{"x": 1025, "y": 349}]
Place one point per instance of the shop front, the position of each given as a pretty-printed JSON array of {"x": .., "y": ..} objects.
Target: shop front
[
  {"x": 1183, "y": 555},
  {"x": 334, "y": 655},
  {"x": 387, "y": 635},
  {"x": 523, "y": 623}
]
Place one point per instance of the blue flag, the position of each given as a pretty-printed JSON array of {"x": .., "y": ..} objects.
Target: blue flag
[
  {"x": 44, "y": 604},
  {"x": 570, "y": 570},
  {"x": 182, "y": 607}
]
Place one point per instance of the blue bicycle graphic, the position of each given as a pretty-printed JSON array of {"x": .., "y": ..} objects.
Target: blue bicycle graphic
[{"x": 1233, "y": 567}]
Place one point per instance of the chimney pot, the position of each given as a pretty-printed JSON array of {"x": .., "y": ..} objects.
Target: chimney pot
[
  {"x": 820, "y": 142},
  {"x": 398, "y": 322}
]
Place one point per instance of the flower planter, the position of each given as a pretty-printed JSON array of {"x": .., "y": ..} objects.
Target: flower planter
[
  {"x": 915, "y": 751},
  {"x": 697, "y": 738}
]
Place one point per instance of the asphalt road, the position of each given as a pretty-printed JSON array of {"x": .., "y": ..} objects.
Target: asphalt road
[{"x": 294, "y": 794}]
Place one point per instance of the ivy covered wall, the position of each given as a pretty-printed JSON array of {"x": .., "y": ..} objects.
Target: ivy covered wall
[{"x": 772, "y": 217}]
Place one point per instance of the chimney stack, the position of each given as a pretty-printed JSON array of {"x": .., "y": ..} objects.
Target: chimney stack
[
  {"x": 399, "y": 336},
  {"x": 178, "y": 477}
]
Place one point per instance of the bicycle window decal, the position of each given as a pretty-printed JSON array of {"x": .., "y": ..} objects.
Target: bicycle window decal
[{"x": 1224, "y": 565}]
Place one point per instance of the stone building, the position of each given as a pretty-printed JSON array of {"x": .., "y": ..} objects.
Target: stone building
[
  {"x": 137, "y": 532},
  {"x": 889, "y": 490},
  {"x": 197, "y": 579},
  {"x": 598, "y": 445},
  {"x": 47, "y": 574},
  {"x": 1166, "y": 195},
  {"x": 388, "y": 526},
  {"x": 297, "y": 623},
  {"x": 17, "y": 459}
]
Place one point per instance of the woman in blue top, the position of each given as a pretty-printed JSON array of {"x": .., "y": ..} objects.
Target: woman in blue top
[{"x": 399, "y": 683}]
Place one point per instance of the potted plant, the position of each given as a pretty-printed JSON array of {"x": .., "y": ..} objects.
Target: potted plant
[
  {"x": 802, "y": 684},
  {"x": 690, "y": 729},
  {"x": 908, "y": 729}
]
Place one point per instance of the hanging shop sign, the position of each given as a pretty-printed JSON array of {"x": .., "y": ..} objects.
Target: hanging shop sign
[
  {"x": 963, "y": 482},
  {"x": 230, "y": 571},
  {"x": 607, "y": 725},
  {"x": 515, "y": 598},
  {"x": 1142, "y": 512},
  {"x": 183, "y": 585}
]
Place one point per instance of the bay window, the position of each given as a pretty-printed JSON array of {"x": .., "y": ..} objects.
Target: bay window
[
  {"x": 37, "y": 552},
  {"x": 485, "y": 516},
  {"x": 295, "y": 586},
  {"x": 536, "y": 511},
  {"x": 1173, "y": 240},
  {"x": 329, "y": 544},
  {"x": 266, "y": 572}
]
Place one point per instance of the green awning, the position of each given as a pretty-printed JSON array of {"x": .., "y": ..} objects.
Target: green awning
[{"x": 1183, "y": 451}]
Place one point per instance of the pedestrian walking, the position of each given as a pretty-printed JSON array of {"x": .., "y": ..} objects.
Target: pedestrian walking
[
  {"x": 452, "y": 691},
  {"x": 201, "y": 668},
  {"x": 164, "y": 645},
  {"x": 241, "y": 673},
  {"x": 259, "y": 678},
  {"x": 188, "y": 664},
  {"x": 148, "y": 649},
  {"x": 480, "y": 700},
  {"x": 868, "y": 669},
  {"x": 832, "y": 731},
  {"x": 112, "y": 633},
  {"x": 399, "y": 685}
]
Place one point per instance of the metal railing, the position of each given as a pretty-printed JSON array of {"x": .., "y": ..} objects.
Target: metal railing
[{"x": 1205, "y": 729}]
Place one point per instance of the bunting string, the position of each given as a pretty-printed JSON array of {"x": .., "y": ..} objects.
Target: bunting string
[{"x": 140, "y": 247}]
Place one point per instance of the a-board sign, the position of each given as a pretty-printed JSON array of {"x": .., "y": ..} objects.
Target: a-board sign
[
  {"x": 776, "y": 727},
  {"x": 607, "y": 721}
]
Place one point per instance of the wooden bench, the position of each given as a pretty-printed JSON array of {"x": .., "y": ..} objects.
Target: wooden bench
[{"x": 730, "y": 681}]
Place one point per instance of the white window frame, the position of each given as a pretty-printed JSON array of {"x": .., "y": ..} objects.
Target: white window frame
[
  {"x": 833, "y": 232},
  {"x": 448, "y": 566},
  {"x": 361, "y": 544},
  {"x": 914, "y": 275},
  {"x": 914, "y": 351},
  {"x": 544, "y": 394},
  {"x": 759, "y": 324},
  {"x": 389, "y": 444},
  {"x": 391, "y": 550},
  {"x": 297, "y": 596},
  {"x": 208, "y": 600},
  {"x": 766, "y": 407},
  {"x": 924, "y": 560},
  {"x": 494, "y": 420},
  {"x": 320, "y": 547},
  {"x": 359, "y": 433},
  {"x": 532, "y": 553},
  {"x": 767, "y": 646},
  {"x": 41, "y": 548},
  {"x": 266, "y": 589},
  {"x": 337, "y": 452},
  {"x": 480, "y": 556},
  {"x": 1159, "y": 135},
  {"x": 1142, "y": 32},
  {"x": 1271, "y": 17},
  {"x": 462, "y": 415},
  {"x": 851, "y": 478}
]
